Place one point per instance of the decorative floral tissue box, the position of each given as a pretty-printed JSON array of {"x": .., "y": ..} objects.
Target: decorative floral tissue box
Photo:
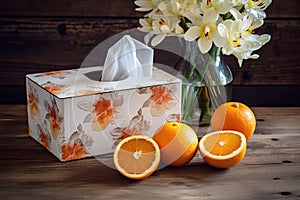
[{"x": 75, "y": 116}]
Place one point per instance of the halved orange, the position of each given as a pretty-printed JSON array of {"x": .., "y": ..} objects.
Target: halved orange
[
  {"x": 223, "y": 149},
  {"x": 137, "y": 156}
]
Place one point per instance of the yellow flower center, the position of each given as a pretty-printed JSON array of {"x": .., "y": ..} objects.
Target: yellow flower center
[
  {"x": 249, "y": 31},
  {"x": 206, "y": 31},
  {"x": 256, "y": 4},
  {"x": 209, "y": 4},
  {"x": 234, "y": 39}
]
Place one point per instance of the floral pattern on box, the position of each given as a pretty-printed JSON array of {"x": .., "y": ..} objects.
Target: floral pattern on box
[
  {"x": 74, "y": 117},
  {"x": 44, "y": 135},
  {"x": 33, "y": 101},
  {"x": 54, "y": 117},
  {"x": 76, "y": 146},
  {"x": 102, "y": 111},
  {"x": 53, "y": 87},
  {"x": 136, "y": 126},
  {"x": 160, "y": 100}
]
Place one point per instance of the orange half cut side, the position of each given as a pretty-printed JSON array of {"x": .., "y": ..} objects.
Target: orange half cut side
[
  {"x": 223, "y": 149},
  {"x": 137, "y": 156}
]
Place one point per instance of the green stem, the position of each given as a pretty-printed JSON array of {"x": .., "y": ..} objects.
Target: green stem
[
  {"x": 193, "y": 96},
  {"x": 205, "y": 104},
  {"x": 197, "y": 94}
]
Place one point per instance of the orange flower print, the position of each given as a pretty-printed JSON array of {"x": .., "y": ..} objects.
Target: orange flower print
[
  {"x": 173, "y": 118},
  {"x": 61, "y": 74},
  {"x": 73, "y": 151},
  {"x": 128, "y": 132},
  {"x": 75, "y": 147},
  {"x": 104, "y": 111},
  {"x": 53, "y": 88},
  {"x": 89, "y": 91},
  {"x": 160, "y": 100},
  {"x": 45, "y": 140},
  {"x": 54, "y": 72},
  {"x": 137, "y": 126},
  {"x": 33, "y": 105},
  {"x": 44, "y": 136},
  {"x": 55, "y": 120},
  {"x": 55, "y": 127},
  {"x": 121, "y": 133}
]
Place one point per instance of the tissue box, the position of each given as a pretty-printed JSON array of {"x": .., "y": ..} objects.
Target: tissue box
[{"x": 74, "y": 115}]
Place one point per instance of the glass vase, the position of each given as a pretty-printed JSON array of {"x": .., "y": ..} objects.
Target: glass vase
[{"x": 205, "y": 82}]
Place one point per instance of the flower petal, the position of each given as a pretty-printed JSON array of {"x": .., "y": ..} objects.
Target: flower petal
[
  {"x": 224, "y": 7},
  {"x": 179, "y": 29},
  {"x": 222, "y": 29},
  {"x": 145, "y": 25},
  {"x": 210, "y": 15},
  {"x": 265, "y": 38},
  {"x": 158, "y": 39},
  {"x": 218, "y": 39},
  {"x": 144, "y": 22},
  {"x": 204, "y": 45},
  {"x": 194, "y": 18},
  {"x": 192, "y": 34},
  {"x": 227, "y": 50},
  {"x": 144, "y": 5},
  {"x": 143, "y": 9},
  {"x": 147, "y": 38},
  {"x": 236, "y": 14}
]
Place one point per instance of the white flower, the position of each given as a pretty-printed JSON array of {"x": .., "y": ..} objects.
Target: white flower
[
  {"x": 257, "y": 7},
  {"x": 239, "y": 43},
  {"x": 146, "y": 25},
  {"x": 169, "y": 8},
  {"x": 179, "y": 8},
  {"x": 250, "y": 22},
  {"x": 220, "y": 6},
  {"x": 258, "y": 4},
  {"x": 254, "y": 43},
  {"x": 146, "y": 5},
  {"x": 235, "y": 3},
  {"x": 228, "y": 24},
  {"x": 179, "y": 30},
  {"x": 163, "y": 26},
  {"x": 191, "y": 6},
  {"x": 206, "y": 31}
]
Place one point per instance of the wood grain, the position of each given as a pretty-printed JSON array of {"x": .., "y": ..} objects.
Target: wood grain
[
  {"x": 38, "y": 36},
  {"x": 35, "y": 45},
  {"x": 270, "y": 169},
  {"x": 105, "y": 8}
]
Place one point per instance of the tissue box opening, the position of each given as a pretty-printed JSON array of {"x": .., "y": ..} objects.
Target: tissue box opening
[{"x": 74, "y": 116}]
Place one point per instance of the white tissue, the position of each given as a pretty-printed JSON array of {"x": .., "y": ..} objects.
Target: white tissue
[{"x": 126, "y": 58}]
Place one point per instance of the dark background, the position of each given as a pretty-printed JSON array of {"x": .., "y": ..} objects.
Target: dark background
[{"x": 38, "y": 36}]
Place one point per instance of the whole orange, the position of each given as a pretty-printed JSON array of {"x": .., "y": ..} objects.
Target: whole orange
[
  {"x": 234, "y": 116},
  {"x": 178, "y": 143}
]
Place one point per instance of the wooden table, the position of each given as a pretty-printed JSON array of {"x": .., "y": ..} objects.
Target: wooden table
[{"x": 270, "y": 169}]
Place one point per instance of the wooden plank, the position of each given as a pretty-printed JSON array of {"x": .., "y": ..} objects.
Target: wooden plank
[
  {"x": 70, "y": 8},
  {"x": 90, "y": 179},
  {"x": 13, "y": 95},
  {"x": 270, "y": 169},
  {"x": 254, "y": 95},
  {"x": 34, "y": 45},
  {"x": 18, "y": 113},
  {"x": 267, "y": 95},
  {"x": 104, "y": 8}
]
